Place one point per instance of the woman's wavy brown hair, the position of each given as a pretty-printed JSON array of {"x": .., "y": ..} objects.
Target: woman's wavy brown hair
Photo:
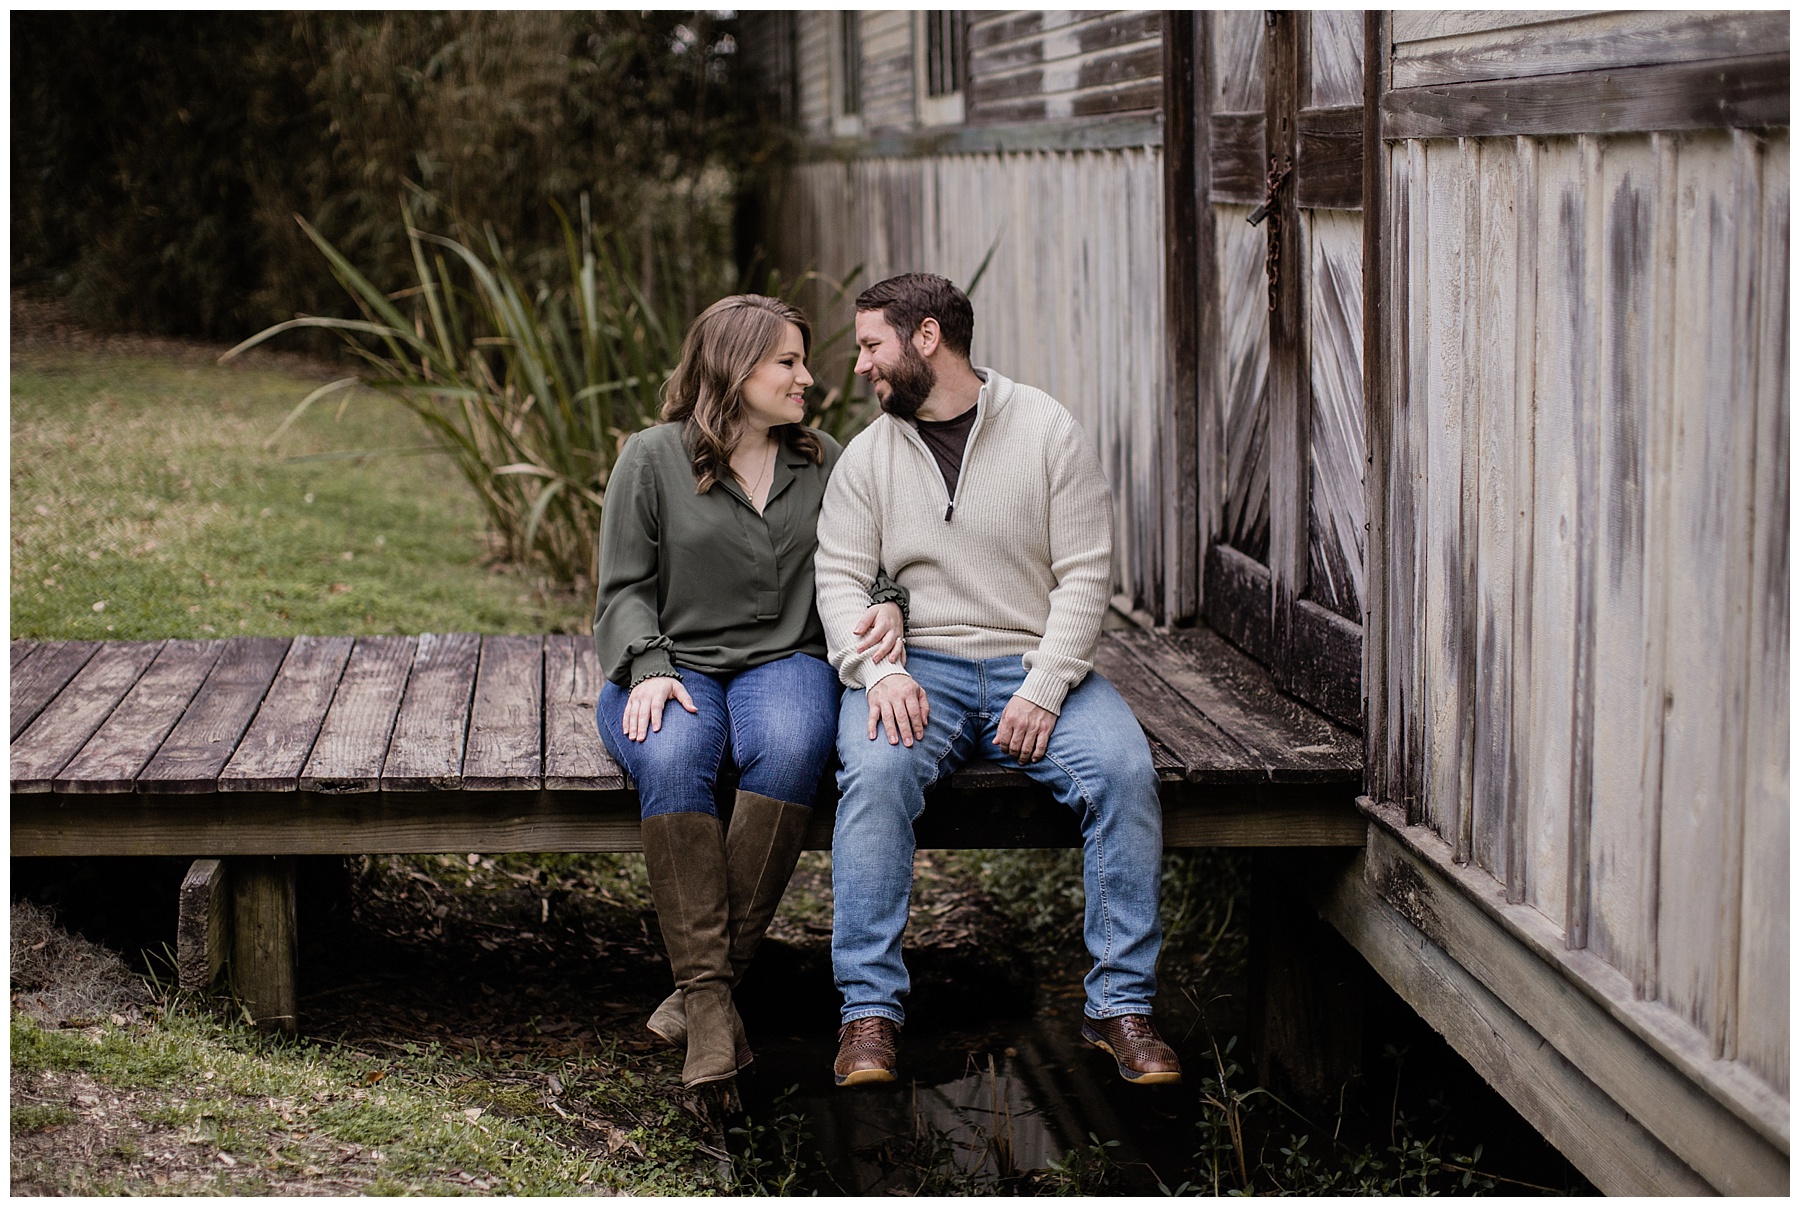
[{"x": 722, "y": 349}]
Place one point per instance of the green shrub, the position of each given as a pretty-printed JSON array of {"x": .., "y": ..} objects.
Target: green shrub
[{"x": 533, "y": 389}]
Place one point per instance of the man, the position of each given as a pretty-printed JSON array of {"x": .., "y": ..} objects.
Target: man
[{"x": 985, "y": 500}]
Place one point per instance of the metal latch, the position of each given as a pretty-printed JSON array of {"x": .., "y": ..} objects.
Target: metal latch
[
  {"x": 1277, "y": 177},
  {"x": 1272, "y": 260}
]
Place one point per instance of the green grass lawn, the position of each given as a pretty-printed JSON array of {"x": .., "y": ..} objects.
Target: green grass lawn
[
  {"x": 191, "y": 1104},
  {"x": 145, "y": 505}
]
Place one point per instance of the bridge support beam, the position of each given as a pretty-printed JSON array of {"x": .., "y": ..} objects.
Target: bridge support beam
[
  {"x": 264, "y": 951},
  {"x": 1307, "y": 985}
]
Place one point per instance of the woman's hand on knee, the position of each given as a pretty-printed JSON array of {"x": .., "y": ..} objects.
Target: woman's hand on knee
[
  {"x": 644, "y": 709},
  {"x": 883, "y": 631}
]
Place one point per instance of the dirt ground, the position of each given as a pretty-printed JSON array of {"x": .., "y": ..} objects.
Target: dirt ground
[{"x": 106, "y": 1143}]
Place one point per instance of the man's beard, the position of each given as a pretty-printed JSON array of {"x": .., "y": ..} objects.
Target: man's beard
[{"x": 909, "y": 383}]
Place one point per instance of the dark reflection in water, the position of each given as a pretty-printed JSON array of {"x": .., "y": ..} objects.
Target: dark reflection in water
[
  {"x": 973, "y": 1110},
  {"x": 1021, "y": 1104}
]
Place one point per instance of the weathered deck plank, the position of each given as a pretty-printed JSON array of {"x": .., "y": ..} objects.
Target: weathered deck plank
[
  {"x": 1619, "y": 1154},
  {"x": 130, "y": 737},
  {"x": 353, "y": 739},
  {"x": 574, "y": 756},
  {"x": 426, "y": 751},
  {"x": 201, "y": 743},
  {"x": 273, "y": 753},
  {"x": 21, "y": 650},
  {"x": 68, "y": 721},
  {"x": 1290, "y": 741},
  {"x": 1196, "y": 742},
  {"x": 42, "y": 673},
  {"x": 505, "y": 746}
]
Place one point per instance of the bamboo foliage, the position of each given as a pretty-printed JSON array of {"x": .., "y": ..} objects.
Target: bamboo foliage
[{"x": 532, "y": 390}]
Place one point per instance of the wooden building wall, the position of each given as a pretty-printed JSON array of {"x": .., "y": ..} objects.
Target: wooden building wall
[
  {"x": 1514, "y": 425},
  {"x": 1072, "y": 210},
  {"x": 1037, "y": 66},
  {"x": 1578, "y": 660},
  {"x": 1071, "y": 301}
]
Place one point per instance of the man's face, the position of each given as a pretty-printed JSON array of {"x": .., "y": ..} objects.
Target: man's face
[{"x": 901, "y": 378}]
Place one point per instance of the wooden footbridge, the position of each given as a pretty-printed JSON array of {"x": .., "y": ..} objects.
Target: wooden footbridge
[
  {"x": 246, "y": 752},
  {"x": 1439, "y": 361}
]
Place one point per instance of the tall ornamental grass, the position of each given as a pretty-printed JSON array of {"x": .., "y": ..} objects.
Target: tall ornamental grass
[{"x": 532, "y": 389}]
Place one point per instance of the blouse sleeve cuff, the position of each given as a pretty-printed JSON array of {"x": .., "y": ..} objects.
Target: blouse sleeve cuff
[
  {"x": 652, "y": 664},
  {"x": 886, "y": 590}
]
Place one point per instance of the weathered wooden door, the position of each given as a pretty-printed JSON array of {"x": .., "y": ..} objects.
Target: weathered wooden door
[{"x": 1276, "y": 146}]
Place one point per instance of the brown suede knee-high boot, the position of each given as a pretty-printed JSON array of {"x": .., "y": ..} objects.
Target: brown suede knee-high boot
[
  {"x": 684, "y": 854},
  {"x": 761, "y": 849}
]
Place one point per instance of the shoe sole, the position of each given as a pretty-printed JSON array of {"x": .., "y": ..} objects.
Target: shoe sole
[
  {"x": 865, "y": 1077},
  {"x": 745, "y": 1057},
  {"x": 688, "y": 1085},
  {"x": 1171, "y": 1078}
]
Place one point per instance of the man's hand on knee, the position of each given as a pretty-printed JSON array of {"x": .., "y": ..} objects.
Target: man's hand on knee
[
  {"x": 1024, "y": 730},
  {"x": 897, "y": 703}
]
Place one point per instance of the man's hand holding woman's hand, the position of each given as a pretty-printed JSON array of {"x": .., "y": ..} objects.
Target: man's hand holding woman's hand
[
  {"x": 644, "y": 708},
  {"x": 896, "y": 702},
  {"x": 883, "y": 632}
]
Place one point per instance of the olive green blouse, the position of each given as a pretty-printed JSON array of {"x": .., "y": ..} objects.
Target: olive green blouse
[{"x": 702, "y": 580}]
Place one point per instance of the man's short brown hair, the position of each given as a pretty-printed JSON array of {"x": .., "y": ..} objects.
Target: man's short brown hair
[{"x": 909, "y": 299}]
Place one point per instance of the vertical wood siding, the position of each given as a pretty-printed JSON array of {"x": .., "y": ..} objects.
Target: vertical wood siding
[
  {"x": 1243, "y": 378},
  {"x": 1334, "y": 252},
  {"x": 1495, "y": 494},
  {"x": 1588, "y": 434},
  {"x": 817, "y": 74},
  {"x": 1337, "y": 58},
  {"x": 1237, "y": 61},
  {"x": 1071, "y": 303},
  {"x": 1762, "y": 999}
]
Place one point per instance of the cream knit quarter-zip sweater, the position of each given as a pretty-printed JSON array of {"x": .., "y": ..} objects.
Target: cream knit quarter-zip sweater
[{"x": 1021, "y": 565}]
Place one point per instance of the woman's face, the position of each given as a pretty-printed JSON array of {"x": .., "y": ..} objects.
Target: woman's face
[{"x": 775, "y": 392}]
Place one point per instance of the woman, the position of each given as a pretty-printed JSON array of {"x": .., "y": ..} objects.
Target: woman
[{"x": 706, "y": 602}]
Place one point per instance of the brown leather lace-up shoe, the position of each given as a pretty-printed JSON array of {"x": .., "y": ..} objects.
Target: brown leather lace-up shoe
[
  {"x": 1131, "y": 1039},
  {"x": 867, "y": 1051}
]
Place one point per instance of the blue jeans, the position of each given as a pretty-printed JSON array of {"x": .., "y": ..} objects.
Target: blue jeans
[
  {"x": 776, "y": 722},
  {"x": 1098, "y": 764}
]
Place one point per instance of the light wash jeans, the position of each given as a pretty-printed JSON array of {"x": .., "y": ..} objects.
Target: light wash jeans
[
  {"x": 776, "y": 722},
  {"x": 1098, "y": 764}
]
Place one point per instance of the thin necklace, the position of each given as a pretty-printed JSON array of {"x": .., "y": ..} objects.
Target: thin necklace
[{"x": 766, "y": 469}]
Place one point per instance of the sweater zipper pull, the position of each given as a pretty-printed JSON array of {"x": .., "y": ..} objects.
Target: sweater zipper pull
[{"x": 949, "y": 511}]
